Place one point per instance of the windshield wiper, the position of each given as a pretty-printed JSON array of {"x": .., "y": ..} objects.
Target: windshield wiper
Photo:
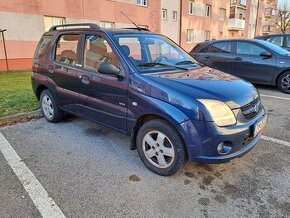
[
  {"x": 153, "y": 64},
  {"x": 189, "y": 62}
]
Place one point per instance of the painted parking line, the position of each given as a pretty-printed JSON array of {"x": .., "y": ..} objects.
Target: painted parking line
[
  {"x": 45, "y": 204},
  {"x": 278, "y": 141},
  {"x": 276, "y": 97}
]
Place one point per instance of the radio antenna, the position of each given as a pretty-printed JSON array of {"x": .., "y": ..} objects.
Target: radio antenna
[{"x": 139, "y": 28}]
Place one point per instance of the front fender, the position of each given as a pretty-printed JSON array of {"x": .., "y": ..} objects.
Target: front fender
[{"x": 141, "y": 105}]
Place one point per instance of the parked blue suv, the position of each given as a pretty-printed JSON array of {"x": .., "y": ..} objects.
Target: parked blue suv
[{"x": 146, "y": 86}]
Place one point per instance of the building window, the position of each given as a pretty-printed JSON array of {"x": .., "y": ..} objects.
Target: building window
[
  {"x": 174, "y": 15},
  {"x": 222, "y": 14},
  {"x": 208, "y": 11},
  {"x": 142, "y": 2},
  {"x": 207, "y": 35},
  {"x": 190, "y": 35},
  {"x": 164, "y": 14},
  {"x": 52, "y": 21},
  {"x": 191, "y": 7},
  {"x": 107, "y": 25}
]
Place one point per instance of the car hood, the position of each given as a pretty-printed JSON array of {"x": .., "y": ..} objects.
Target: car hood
[{"x": 207, "y": 83}]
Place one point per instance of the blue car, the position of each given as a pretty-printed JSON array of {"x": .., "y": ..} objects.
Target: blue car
[{"x": 144, "y": 85}]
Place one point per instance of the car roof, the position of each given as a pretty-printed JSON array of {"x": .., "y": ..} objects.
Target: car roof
[
  {"x": 228, "y": 40},
  {"x": 267, "y": 36}
]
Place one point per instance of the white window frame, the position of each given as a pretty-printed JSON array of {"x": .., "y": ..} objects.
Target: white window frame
[
  {"x": 143, "y": 3},
  {"x": 174, "y": 16},
  {"x": 191, "y": 6},
  {"x": 208, "y": 11},
  {"x": 164, "y": 14},
  {"x": 207, "y": 35},
  {"x": 53, "y": 20},
  {"x": 222, "y": 14},
  {"x": 189, "y": 35},
  {"x": 105, "y": 24}
]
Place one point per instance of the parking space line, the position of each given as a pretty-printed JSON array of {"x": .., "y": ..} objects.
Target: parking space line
[
  {"x": 277, "y": 97},
  {"x": 278, "y": 141},
  {"x": 45, "y": 204}
]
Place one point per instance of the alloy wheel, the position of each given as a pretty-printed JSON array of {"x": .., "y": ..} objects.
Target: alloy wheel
[{"x": 47, "y": 106}]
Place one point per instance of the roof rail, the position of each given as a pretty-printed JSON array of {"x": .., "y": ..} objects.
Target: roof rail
[
  {"x": 89, "y": 25},
  {"x": 139, "y": 29}
]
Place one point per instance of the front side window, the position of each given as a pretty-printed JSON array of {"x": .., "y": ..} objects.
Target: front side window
[
  {"x": 142, "y": 2},
  {"x": 220, "y": 47},
  {"x": 246, "y": 48},
  {"x": 96, "y": 51},
  {"x": 150, "y": 52},
  {"x": 66, "y": 49}
]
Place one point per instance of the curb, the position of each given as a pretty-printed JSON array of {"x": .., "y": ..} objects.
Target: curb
[{"x": 21, "y": 117}]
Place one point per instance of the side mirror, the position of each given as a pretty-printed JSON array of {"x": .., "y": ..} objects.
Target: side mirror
[
  {"x": 266, "y": 54},
  {"x": 110, "y": 69}
]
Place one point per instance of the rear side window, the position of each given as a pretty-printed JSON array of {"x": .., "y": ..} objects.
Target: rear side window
[
  {"x": 42, "y": 47},
  {"x": 220, "y": 47},
  {"x": 66, "y": 50}
]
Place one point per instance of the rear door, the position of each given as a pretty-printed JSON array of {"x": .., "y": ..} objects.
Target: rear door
[
  {"x": 217, "y": 55},
  {"x": 64, "y": 67},
  {"x": 250, "y": 65},
  {"x": 105, "y": 95}
]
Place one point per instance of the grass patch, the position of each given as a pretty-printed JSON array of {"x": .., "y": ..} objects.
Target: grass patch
[{"x": 16, "y": 94}]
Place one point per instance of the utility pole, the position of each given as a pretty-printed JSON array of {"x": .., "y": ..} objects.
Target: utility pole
[{"x": 4, "y": 46}]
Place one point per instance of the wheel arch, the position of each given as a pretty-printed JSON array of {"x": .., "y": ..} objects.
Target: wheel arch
[{"x": 277, "y": 77}]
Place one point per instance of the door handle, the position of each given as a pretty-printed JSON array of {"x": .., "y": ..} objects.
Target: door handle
[
  {"x": 238, "y": 58},
  {"x": 50, "y": 69},
  {"x": 85, "y": 79}
]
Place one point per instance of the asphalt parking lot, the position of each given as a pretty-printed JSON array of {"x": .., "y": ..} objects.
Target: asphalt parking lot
[{"x": 87, "y": 170}]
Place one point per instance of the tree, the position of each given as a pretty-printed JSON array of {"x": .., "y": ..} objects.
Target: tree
[{"x": 283, "y": 17}]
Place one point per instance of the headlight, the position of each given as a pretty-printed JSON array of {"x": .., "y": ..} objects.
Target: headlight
[{"x": 221, "y": 114}]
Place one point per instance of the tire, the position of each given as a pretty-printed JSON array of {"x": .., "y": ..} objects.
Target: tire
[
  {"x": 283, "y": 82},
  {"x": 49, "y": 108},
  {"x": 161, "y": 147}
]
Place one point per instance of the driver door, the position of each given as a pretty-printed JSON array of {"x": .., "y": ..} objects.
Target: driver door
[{"x": 250, "y": 65}]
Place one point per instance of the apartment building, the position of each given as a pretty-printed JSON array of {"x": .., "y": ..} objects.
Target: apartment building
[
  {"x": 187, "y": 22},
  {"x": 251, "y": 18},
  {"x": 27, "y": 20}
]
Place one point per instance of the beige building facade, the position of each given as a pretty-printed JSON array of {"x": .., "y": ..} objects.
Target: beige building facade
[{"x": 186, "y": 22}]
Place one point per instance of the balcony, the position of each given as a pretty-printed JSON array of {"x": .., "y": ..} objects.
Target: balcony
[
  {"x": 268, "y": 29},
  {"x": 269, "y": 12},
  {"x": 236, "y": 24}
]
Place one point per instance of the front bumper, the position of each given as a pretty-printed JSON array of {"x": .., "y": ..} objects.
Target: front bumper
[{"x": 202, "y": 139}]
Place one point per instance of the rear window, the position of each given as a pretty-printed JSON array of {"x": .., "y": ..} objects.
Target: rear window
[
  {"x": 66, "y": 50},
  {"x": 42, "y": 47},
  {"x": 220, "y": 47}
]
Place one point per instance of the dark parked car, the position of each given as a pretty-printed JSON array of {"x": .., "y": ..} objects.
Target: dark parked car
[
  {"x": 281, "y": 40},
  {"x": 144, "y": 85},
  {"x": 257, "y": 61}
]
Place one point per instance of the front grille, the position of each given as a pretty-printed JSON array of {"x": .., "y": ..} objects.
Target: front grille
[{"x": 252, "y": 109}]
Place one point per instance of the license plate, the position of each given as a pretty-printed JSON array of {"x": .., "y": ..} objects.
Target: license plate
[{"x": 260, "y": 126}]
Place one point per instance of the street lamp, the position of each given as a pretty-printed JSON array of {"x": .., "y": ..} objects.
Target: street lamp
[{"x": 4, "y": 45}]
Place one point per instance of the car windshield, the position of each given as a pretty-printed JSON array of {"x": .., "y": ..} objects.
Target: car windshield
[
  {"x": 275, "y": 48},
  {"x": 150, "y": 53}
]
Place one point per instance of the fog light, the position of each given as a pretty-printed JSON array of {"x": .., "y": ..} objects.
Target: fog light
[{"x": 224, "y": 148}]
